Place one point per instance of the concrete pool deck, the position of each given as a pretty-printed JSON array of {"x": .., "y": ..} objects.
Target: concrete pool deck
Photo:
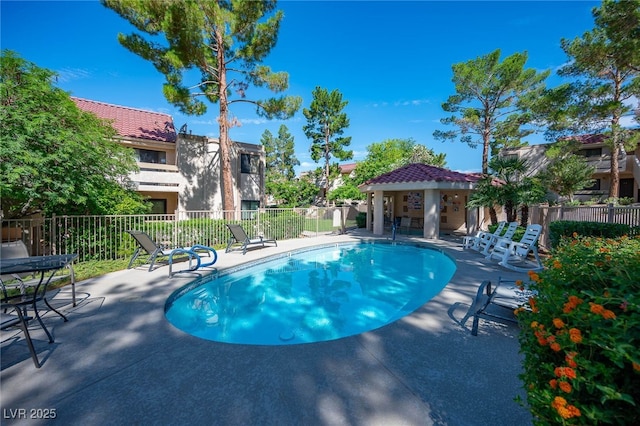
[{"x": 118, "y": 361}]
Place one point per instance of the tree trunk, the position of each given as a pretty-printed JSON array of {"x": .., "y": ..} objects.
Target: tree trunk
[
  {"x": 228, "y": 202},
  {"x": 615, "y": 174},
  {"x": 493, "y": 215},
  {"x": 524, "y": 215},
  {"x": 485, "y": 150}
]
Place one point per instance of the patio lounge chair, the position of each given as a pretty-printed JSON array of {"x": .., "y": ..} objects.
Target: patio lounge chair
[
  {"x": 239, "y": 236},
  {"x": 512, "y": 254},
  {"x": 154, "y": 250},
  {"x": 471, "y": 241},
  {"x": 488, "y": 240},
  {"x": 497, "y": 303}
]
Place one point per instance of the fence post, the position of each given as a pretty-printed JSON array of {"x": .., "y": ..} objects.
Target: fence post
[{"x": 610, "y": 213}]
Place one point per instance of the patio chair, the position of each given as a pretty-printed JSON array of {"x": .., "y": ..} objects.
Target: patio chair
[
  {"x": 471, "y": 241},
  {"x": 405, "y": 222},
  {"x": 14, "y": 250},
  {"x": 154, "y": 250},
  {"x": 488, "y": 240},
  {"x": 497, "y": 303},
  {"x": 19, "y": 319},
  {"x": 239, "y": 236},
  {"x": 512, "y": 254}
]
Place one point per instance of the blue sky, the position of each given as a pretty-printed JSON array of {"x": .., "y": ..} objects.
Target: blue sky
[{"x": 390, "y": 60}]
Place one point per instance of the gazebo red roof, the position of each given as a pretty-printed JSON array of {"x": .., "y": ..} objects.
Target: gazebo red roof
[
  {"x": 130, "y": 122},
  {"x": 418, "y": 172}
]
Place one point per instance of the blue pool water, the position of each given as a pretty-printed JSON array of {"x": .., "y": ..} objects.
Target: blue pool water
[{"x": 312, "y": 295}]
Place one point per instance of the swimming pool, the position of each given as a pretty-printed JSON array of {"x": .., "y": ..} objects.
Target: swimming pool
[{"x": 313, "y": 295}]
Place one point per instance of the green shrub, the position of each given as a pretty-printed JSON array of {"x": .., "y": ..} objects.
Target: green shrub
[
  {"x": 581, "y": 334},
  {"x": 361, "y": 219},
  {"x": 566, "y": 228}
]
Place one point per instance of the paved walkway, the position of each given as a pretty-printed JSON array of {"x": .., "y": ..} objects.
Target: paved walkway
[{"x": 118, "y": 361}]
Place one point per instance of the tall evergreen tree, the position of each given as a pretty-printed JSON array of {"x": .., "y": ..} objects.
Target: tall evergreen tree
[
  {"x": 280, "y": 153},
  {"x": 226, "y": 42},
  {"x": 280, "y": 163},
  {"x": 491, "y": 103},
  {"x": 326, "y": 123},
  {"x": 604, "y": 68}
]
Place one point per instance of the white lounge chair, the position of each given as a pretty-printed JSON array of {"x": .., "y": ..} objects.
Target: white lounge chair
[
  {"x": 513, "y": 254},
  {"x": 488, "y": 240},
  {"x": 471, "y": 241}
]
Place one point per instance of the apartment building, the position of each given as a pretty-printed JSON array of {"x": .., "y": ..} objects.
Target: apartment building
[
  {"x": 180, "y": 171},
  {"x": 597, "y": 155}
]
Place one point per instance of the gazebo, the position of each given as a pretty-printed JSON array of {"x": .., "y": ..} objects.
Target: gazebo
[{"x": 421, "y": 197}]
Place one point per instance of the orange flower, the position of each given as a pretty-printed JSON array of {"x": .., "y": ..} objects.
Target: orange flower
[
  {"x": 573, "y": 411},
  {"x": 520, "y": 284},
  {"x": 532, "y": 303},
  {"x": 558, "y": 402},
  {"x": 565, "y": 387},
  {"x": 604, "y": 250},
  {"x": 555, "y": 347},
  {"x": 575, "y": 235},
  {"x": 636, "y": 366},
  {"x": 553, "y": 383},
  {"x": 575, "y": 300},
  {"x": 568, "y": 411},
  {"x": 569, "y": 358},
  {"x": 587, "y": 244},
  {"x": 607, "y": 314},
  {"x": 534, "y": 324},
  {"x": 567, "y": 372},
  {"x": 596, "y": 308},
  {"x": 557, "y": 264},
  {"x": 558, "y": 323},
  {"x": 533, "y": 276},
  {"x": 575, "y": 335},
  {"x": 573, "y": 303}
]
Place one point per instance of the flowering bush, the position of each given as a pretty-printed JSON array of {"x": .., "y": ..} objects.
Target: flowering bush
[{"x": 581, "y": 334}]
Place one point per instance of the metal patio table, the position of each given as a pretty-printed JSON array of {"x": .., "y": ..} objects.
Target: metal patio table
[{"x": 46, "y": 266}]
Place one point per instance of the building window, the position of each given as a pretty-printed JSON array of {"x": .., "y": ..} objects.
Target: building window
[
  {"x": 158, "y": 206},
  {"x": 147, "y": 156},
  {"x": 594, "y": 187},
  {"x": 591, "y": 152},
  {"x": 248, "y": 208},
  {"x": 249, "y": 163}
]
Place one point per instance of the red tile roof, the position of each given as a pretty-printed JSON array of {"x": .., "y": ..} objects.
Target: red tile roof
[
  {"x": 130, "y": 122},
  {"x": 345, "y": 169},
  {"x": 418, "y": 172},
  {"x": 588, "y": 139}
]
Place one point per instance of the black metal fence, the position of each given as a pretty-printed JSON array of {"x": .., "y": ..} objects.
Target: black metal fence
[{"x": 104, "y": 237}]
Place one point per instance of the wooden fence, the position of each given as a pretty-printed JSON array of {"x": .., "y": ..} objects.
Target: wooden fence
[{"x": 544, "y": 215}]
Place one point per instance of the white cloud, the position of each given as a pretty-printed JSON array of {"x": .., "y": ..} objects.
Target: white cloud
[
  {"x": 401, "y": 103},
  {"x": 69, "y": 74}
]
